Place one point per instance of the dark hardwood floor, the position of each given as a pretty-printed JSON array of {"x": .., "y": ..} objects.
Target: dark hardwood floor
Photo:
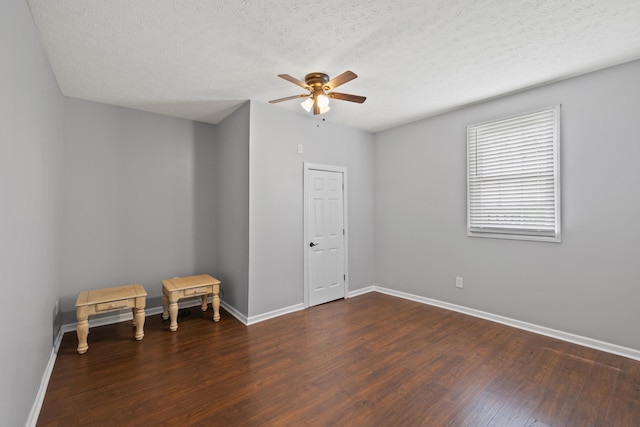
[{"x": 372, "y": 360}]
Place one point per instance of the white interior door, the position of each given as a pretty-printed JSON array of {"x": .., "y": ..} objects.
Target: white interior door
[{"x": 326, "y": 236}]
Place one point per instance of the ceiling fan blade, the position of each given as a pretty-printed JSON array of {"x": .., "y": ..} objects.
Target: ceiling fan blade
[
  {"x": 343, "y": 78},
  {"x": 288, "y": 98},
  {"x": 295, "y": 81},
  {"x": 347, "y": 97}
]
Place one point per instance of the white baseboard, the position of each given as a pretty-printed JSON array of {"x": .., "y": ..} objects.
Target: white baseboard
[
  {"x": 124, "y": 316},
  {"x": 235, "y": 313},
  {"x": 361, "y": 291},
  {"x": 542, "y": 330},
  {"x": 286, "y": 310},
  {"x": 44, "y": 383},
  {"x": 275, "y": 313}
]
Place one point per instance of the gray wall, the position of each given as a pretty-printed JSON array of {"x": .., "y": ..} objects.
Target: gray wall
[
  {"x": 276, "y": 201},
  {"x": 139, "y": 198},
  {"x": 232, "y": 181},
  {"x": 30, "y": 180},
  {"x": 588, "y": 284}
]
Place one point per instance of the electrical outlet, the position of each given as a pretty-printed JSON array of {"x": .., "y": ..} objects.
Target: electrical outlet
[{"x": 459, "y": 282}]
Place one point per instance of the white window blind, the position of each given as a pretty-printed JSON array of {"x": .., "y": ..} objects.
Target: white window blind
[{"x": 513, "y": 188}]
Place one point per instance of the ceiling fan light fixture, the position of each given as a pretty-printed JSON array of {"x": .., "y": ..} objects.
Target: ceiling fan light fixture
[
  {"x": 307, "y": 104},
  {"x": 323, "y": 101}
]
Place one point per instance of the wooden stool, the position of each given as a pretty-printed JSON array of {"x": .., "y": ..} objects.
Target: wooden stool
[
  {"x": 109, "y": 299},
  {"x": 190, "y": 286}
]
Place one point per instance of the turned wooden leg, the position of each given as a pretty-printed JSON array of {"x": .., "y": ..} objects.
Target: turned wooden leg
[
  {"x": 133, "y": 312},
  {"x": 173, "y": 313},
  {"x": 139, "y": 322},
  {"x": 204, "y": 302},
  {"x": 215, "y": 302},
  {"x": 83, "y": 332},
  {"x": 165, "y": 306},
  {"x": 82, "y": 329}
]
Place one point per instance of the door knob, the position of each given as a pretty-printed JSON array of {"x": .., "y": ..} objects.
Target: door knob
[{"x": 313, "y": 244}]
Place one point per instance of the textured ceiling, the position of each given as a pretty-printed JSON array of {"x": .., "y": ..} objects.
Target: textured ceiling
[{"x": 201, "y": 59}]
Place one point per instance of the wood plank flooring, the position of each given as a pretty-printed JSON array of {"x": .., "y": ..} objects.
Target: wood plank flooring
[{"x": 372, "y": 360}]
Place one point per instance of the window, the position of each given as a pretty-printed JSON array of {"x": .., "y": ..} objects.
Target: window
[{"x": 513, "y": 186}]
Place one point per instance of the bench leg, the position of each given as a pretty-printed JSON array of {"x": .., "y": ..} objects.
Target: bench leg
[
  {"x": 173, "y": 312},
  {"x": 204, "y": 302},
  {"x": 165, "y": 306},
  {"x": 215, "y": 302},
  {"x": 83, "y": 332},
  {"x": 139, "y": 322}
]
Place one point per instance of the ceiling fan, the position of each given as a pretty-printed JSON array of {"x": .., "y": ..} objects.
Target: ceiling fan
[{"x": 318, "y": 84}]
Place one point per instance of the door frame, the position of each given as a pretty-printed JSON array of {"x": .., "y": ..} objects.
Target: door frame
[{"x": 308, "y": 167}]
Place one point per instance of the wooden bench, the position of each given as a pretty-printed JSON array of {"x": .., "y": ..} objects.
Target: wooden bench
[
  {"x": 109, "y": 299},
  {"x": 190, "y": 286}
]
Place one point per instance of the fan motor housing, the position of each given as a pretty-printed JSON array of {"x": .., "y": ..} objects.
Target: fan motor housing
[{"x": 316, "y": 79}]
